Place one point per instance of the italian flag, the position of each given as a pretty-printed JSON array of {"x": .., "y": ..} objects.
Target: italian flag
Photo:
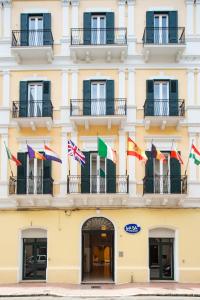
[
  {"x": 195, "y": 155},
  {"x": 104, "y": 150},
  {"x": 12, "y": 157}
]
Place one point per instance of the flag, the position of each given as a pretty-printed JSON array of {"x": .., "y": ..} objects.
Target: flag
[
  {"x": 105, "y": 151},
  {"x": 51, "y": 155},
  {"x": 34, "y": 154},
  {"x": 136, "y": 151},
  {"x": 174, "y": 154},
  {"x": 195, "y": 154},
  {"x": 12, "y": 157},
  {"x": 157, "y": 154},
  {"x": 76, "y": 153}
]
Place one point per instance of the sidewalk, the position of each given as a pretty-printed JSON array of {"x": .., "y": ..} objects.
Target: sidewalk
[{"x": 106, "y": 290}]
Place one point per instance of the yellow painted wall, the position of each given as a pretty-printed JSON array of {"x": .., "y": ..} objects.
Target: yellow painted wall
[{"x": 64, "y": 242}]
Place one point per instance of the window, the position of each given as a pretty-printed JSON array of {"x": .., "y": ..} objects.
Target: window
[
  {"x": 162, "y": 175},
  {"x": 98, "y": 26},
  {"x": 35, "y": 99},
  {"x": 98, "y": 98},
  {"x": 35, "y": 31},
  {"x": 98, "y": 173},
  {"x": 161, "y": 98},
  {"x": 161, "y": 28}
]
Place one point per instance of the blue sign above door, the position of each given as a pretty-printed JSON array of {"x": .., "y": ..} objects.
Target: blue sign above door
[{"x": 132, "y": 228}]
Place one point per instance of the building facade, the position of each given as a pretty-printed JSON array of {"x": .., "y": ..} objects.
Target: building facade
[{"x": 114, "y": 69}]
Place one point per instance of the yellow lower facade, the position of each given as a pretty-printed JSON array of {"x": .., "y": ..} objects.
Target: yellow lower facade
[{"x": 130, "y": 253}]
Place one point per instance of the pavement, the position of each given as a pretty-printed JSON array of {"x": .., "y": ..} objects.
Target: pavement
[{"x": 30, "y": 289}]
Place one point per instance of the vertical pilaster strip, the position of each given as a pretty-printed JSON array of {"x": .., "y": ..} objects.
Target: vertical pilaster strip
[
  {"x": 64, "y": 166},
  {"x": 197, "y": 17},
  {"x": 6, "y": 88},
  {"x": 122, "y": 152},
  {"x": 65, "y": 103},
  {"x": 131, "y": 26},
  {"x": 121, "y": 10},
  {"x": 75, "y": 18},
  {"x": 7, "y": 19},
  {"x": 198, "y": 87},
  {"x": 189, "y": 17},
  {"x": 65, "y": 41},
  {"x": 190, "y": 87},
  {"x": 121, "y": 83},
  {"x": 131, "y": 109},
  {"x": 4, "y": 167},
  {"x": 74, "y": 84}
]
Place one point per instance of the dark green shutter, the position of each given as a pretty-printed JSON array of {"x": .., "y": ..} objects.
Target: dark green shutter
[
  {"x": 175, "y": 175},
  {"x": 87, "y": 28},
  {"x": 173, "y": 98},
  {"x": 149, "y": 106},
  {"x": 149, "y": 27},
  {"x": 85, "y": 174},
  {"x": 47, "y": 180},
  {"x": 173, "y": 27},
  {"x": 110, "y": 28},
  {"x": 149, "y": 174},
  {"x": 86, "y": 97},
  {"x": 111, "y": 176},
  {"x": 47, "y": 38},
  {"x": 23, "y": 99},
  {"x": 110, "y": 94},
  {"x": 21, "y": 173},
  {"x": 46, "y": 101},
  {"x": 24, "y": 30}
]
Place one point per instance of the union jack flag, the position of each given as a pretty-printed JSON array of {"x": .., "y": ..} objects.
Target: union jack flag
[{"x": 76, "y": 153}]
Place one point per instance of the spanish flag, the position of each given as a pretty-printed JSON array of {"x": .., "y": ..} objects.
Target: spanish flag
[{"x": 136, "y": 151}]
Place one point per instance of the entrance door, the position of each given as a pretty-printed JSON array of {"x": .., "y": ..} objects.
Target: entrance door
[
  {"x": 161, "y": 98},
  {"x": 36, "y": 31},
  {"x": 161, "y": 29},
  {"x": 35, "y": 97},
  {"x": 162, "y": 175},
  {"x": 98, "y": 34},
  {"x": 98, "y": 174},
  {"x": 98, "y": 251},
  {"x": 34, "y": 258},
  {"x": 161, "y": 258},
  {"x": 98, "y": 98},
  {"x": 34, "y": 176}
]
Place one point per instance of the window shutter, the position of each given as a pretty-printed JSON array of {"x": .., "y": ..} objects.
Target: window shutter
[
  {"x": 149, "y": 174},
  {"x": 47, "y": 38},
  {"x": 110, "y": 97},
  {"x": 24, "y": 30},
  {"x": 85, "y": 174},
  {"x": 23, "y": 99},
  {"x": 149, "y": 27},
  {"x": 47, "y": 180},
  {"x": 175, "y": 175},
  {"x": 86, "y": 97},
  {"x": 46, "y": 101},
  {"x": 149, "y": 108},
  {"x": 173, "y": 27},
  {"x": 87, "y": 28},
  {"x": 173, "y": 98},
  {"x": 21, "y": 173},
  {"x": 111, "y": 176},
  {"x": 110, "y": 28}
]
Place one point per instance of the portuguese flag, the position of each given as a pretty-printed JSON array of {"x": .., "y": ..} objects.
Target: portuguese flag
[
  {"x": 195, "y": 155},
  {"x": 12, "y": 157},
  {"x": 105, "y": 151}
]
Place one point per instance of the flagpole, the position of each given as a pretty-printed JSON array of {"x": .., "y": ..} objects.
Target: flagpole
[
  {"x": 188, "y": 158},
  {"x": 9, "y": 162}
]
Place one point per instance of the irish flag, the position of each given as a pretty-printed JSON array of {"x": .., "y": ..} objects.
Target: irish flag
[
  {"x": 51, "y": 155},
  {"x": 12, "y": 157},
  {"x": 104, "y": 150},
  {"x": 195, "y": 155}
]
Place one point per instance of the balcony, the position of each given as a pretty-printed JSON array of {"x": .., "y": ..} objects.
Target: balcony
[
  {"x": 32, "y": 46},
  {"x": 92, "y": 44},
  {"x": 163, "y": 42},
  {"x": 97, "y": 184},
  {"x": 33, "y": 114},
  {"x": 163, "y": 112},
  {"x": 98, "y": 111}
]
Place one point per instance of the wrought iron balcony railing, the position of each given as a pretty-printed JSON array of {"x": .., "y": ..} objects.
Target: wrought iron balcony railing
[
  {"x": 32, "y": 38},
  {"x": 29, "y": 109},
  {"x": 98, "y": 36},
  {"x": 165, "y": 184},
  {"x": 98, "y": 107},
  {"x": 98, "y": 184},
  {"x": 164, "y": 107},
  {"x": 30, "y": 185},
  {"x": 164, "y": 35}
]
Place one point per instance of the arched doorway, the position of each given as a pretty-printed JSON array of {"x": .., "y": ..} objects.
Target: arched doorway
[
  {"x": 161, "y": 254},
  {"x": 34, "y": 241},
  {"x": 98, "y": 250}
]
